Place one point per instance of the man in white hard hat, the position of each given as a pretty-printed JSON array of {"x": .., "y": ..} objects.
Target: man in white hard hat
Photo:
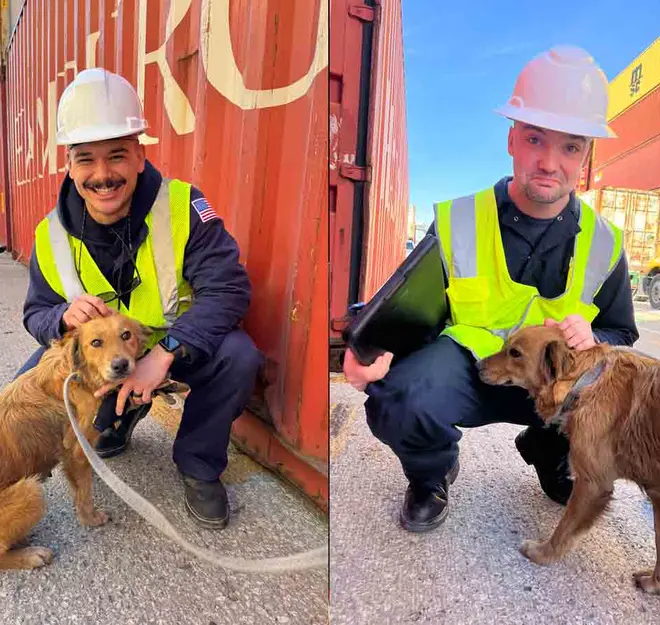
[
  {"x": 525, "y": 251},
  {"x": 123, "y": 238}
]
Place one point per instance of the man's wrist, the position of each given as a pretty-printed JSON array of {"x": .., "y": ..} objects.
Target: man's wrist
[
  {"x": 163, "y": 354},
  {"x": 173, "y": 346}
]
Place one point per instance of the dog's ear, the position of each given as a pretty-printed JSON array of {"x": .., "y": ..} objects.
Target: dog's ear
[
  {"x": 556, "y": 361},
  {"x": 76, "y": 351},
  {"x": 71, "y": 344}
]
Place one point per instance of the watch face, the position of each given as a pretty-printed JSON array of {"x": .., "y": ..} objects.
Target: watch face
[{"x": 170, "y": 343}]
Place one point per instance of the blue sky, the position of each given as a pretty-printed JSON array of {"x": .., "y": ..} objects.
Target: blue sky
[{"x": 462, "y": 60}]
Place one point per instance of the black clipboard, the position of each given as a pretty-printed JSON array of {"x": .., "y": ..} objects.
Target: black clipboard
[{"x": 407, "y": 311}]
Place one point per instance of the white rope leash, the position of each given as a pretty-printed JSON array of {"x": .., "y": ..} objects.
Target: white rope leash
[{"x": 298, "y": 562}]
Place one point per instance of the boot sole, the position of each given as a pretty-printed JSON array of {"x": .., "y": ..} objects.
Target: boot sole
[
  {"x": 116, "y": 451},
  {"x": 419, "y": 528},
  {"x": 211, "y": 524}
]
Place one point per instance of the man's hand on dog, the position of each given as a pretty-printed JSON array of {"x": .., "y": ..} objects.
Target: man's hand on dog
[
  {"x": 149, "y": 373},
  {"x": 576, "y": 330},
  {"x": 84, "y": 308},
  {"x": 358, "y": 376}
]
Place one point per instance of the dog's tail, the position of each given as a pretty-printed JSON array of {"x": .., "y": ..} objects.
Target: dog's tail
[{"x": 21, "y": 507}]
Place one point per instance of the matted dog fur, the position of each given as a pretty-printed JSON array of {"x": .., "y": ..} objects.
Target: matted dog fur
[
  {"x": 613, "y": 427},
  {"x": 35, "y": 433}
]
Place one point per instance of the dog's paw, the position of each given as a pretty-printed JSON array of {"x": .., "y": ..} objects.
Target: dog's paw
[
  {"x": 94, "y": 519},
  {"x": 647, "y": 582},
  {"x": 36, "y": 557},
  {"x": 536, "y": 551}
]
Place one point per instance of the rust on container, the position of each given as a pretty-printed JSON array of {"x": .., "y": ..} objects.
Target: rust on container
[
  {"x": 636, "y": 125},
  {"x": 636, "y": 213},
  {"x": 368, "y": 150},
  {"x": 236, "y": 94},
  {"x": 636, "y": 169}
]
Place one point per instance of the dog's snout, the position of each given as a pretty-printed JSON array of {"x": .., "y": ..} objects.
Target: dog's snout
[{"x": 119, "y": 366}]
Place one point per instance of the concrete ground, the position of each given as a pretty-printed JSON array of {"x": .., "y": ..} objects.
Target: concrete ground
[
  {"x": 469, "y": 570},
  {"x": 126, "y": 572}
]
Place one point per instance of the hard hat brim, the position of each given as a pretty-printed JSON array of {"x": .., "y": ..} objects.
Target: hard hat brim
[
  {"x": 559, "y": 123},
  {"x": 93, "y": 135}
]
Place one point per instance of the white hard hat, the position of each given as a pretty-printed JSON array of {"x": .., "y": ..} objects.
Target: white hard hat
[
  {"x": 562, "y": 89},
  {"x": 98, "y": 105}
]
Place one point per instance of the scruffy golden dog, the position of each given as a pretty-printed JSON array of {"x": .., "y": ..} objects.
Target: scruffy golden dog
[
  {"x": 35, "y": 434},
  {"x": 613, "y": 427}
]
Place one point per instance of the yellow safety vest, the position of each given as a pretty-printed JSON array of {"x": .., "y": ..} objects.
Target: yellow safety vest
[
  {"x": 162, "y": 295},
  {"x": 486, "y": 305}
]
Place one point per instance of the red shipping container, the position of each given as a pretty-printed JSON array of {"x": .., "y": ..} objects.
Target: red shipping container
[
  {"x": 638, "y": 169},
  {"x": 636, "y": 125},
  {"x": 388, "y": 203},
  {"x": 236, "y": 95},
  {"x": 5, "y": 227},
  {"x": 368, "y": 150}
]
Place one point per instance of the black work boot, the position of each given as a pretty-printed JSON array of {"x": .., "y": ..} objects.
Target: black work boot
[
  {"x": 424, "y": 507},
  {"x": 114, "y": 439},
  {"x": 547, "y": 450},
  {"x": 206, "y": 502}
]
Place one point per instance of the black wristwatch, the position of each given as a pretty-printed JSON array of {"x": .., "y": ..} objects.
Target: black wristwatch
[{"x": 173, "y": 346}]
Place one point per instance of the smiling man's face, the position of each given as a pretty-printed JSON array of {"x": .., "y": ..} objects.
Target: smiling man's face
[{"x": 105, "y": 174}]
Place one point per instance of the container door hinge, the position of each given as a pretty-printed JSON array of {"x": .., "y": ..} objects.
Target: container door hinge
[
  {"x": 362, "y": 12},
  {"x": 354, "y": 172}
]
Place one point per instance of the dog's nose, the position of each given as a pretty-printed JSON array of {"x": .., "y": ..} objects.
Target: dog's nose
[{"x": 119, "y": 366}]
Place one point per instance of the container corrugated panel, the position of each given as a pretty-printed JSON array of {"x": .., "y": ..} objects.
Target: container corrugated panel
[
  {"x": 636, "y": 125},
  {"x": 4, "y": 199},
  {"x": 636, "y": 213},
  {"x": 236, "y": 94},
  {"x": 387, "y": 210},
  {"x": 346, "y": 68},
  {"x": 637, "y": 169},
  {"x": 640, "y": 77}
]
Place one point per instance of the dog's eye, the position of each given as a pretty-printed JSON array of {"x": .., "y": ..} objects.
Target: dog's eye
[
  {"x": 514, "y": 353},
  {"x": 97, "y": 343},
  {"x": 126, "y": 336}
]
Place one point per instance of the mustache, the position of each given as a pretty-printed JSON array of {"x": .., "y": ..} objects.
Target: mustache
[{"x": 108, "y": 183}]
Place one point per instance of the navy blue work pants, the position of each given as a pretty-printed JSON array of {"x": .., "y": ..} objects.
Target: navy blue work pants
[
  {"x": 417, "y": 407},
  {"x": 220, "y": 388}
]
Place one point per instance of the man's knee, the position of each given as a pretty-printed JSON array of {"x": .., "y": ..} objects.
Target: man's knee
[
  {"x": 239, "y": 355},
  {"x": 412, "y": 418},
  {"x": 423, "y": 397}
]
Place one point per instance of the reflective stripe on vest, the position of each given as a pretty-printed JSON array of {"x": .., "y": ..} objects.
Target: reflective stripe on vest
[
  {"x": 600, "y": 254},
  {"x": 463, "y": 221},
  {"x": 66, "y": 268},
  {"x": 163, "y": 252}
]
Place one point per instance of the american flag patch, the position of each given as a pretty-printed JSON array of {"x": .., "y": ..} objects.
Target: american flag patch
[{"x": 204, "y": 210}]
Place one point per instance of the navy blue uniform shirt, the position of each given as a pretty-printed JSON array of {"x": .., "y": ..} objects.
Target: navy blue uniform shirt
[
  {"x": 211, "y": 266},
  {"x": 538, "y": 253}
]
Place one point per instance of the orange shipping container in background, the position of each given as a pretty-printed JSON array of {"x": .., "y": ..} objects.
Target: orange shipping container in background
[
  {"x": 637, "y": 169},
  {"x": 636, "y": 126},
  {"x": 236, "y": 94},
  {"x": 368, "y": 151}
]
